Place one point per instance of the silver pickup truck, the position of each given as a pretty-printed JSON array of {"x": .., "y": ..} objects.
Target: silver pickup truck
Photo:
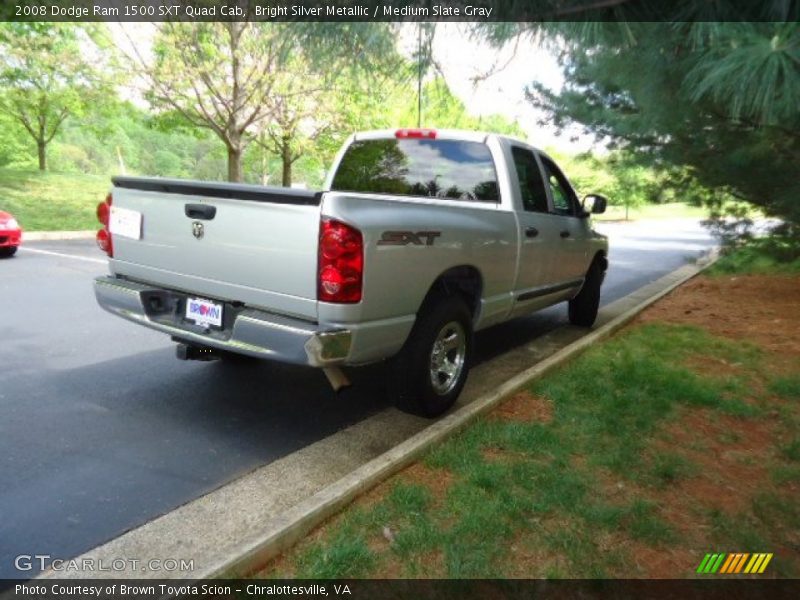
[{"x": 421, "y": 238}]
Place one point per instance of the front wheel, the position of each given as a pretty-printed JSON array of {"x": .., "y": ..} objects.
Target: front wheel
[
  {"x": 583, "y": 307},
  {"x": 431, "y": 369}
]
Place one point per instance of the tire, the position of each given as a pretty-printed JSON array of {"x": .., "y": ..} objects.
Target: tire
[
  {"x": 583, "y": 307},
  {"x": 8, "y": 251},
  {"x": 427, "y": 377}
]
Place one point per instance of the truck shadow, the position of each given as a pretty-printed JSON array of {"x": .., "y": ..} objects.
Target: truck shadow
[{"x": 94, "y": 451}]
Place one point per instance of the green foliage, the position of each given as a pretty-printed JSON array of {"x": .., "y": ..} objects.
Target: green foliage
[
  {"x": 768, "y": 255},
  {"x": 787, "y": 387},
  {"x": 716, "y": 99},
  {"x": 217, "y": 76},
  {"x": 13, "y": 147},
  {"x": 348, "y": 556},
  {"x": 50, "y": 72},
  {"x": 267, "y": 82}
]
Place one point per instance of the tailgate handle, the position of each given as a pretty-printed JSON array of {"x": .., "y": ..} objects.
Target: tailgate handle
[{"x": 205, "y": 212}]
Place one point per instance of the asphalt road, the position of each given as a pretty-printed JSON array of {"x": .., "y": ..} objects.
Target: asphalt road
[{"x": 102, "y": 429}]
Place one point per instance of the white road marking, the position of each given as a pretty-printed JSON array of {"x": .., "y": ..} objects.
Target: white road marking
[{"x": 74, "y": 256}]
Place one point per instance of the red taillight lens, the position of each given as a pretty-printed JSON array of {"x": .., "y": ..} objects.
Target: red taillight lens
[
  {"x": 104, "y": 241},
  {"x": 341, "y": 263},
  {"x": 424, "y": 134},
  {"x": 104, "y": 235},
  {"x": 103, "y": 210}
]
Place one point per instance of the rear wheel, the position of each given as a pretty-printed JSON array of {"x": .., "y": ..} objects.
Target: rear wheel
[
  {"x": 583, "y": 307},
  {"x": 8, "y": 251},
  {"x": 431, "y": 369}
]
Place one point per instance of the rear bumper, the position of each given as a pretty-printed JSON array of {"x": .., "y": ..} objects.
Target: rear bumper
[{"x": 245, "y": 330}]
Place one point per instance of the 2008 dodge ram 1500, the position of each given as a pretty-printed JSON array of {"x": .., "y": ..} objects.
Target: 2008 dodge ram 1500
[{"x": 420, "y": 238}]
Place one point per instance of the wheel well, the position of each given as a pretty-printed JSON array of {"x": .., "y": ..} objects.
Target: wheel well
[{"x": 463, "y": 280}]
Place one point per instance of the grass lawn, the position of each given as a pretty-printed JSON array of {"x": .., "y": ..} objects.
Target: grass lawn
[
  {"x": 670, "y": 210},
  {"x": 52, "y": 201},
  {"x": 672, "y": 439}
]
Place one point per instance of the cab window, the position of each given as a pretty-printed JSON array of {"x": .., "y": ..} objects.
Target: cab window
[
  {"x": 446, "y": 169},
  {"x": 565, "y": 202},
  {"x": 531, "y": 184}
]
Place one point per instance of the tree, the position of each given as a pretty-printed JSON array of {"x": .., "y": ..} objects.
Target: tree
[
  {"x": 222, "y": 76},
  {"x": 50, "y": 72},
  {"x": 12, "y": 137},
  {"x": 718, "y": 100},
  {"x": 217, "y": 76},
  {"x": 302, "y": 108}
]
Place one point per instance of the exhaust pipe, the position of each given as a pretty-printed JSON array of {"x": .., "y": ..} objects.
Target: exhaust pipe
[
  {"x": 191, "y": 352},
  {"x": 336, "y": 378}
]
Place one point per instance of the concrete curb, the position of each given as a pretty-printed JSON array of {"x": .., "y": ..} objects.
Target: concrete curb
[
  {"x": 38, "y": 236},
  {"x": 298, "y": 521}
]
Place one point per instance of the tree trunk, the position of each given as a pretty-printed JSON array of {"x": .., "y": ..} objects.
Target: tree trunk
[
  {"x": 234, "y": 164},
  {"x": 42, "y": 147},
  {"x": 286, "y": 158}
]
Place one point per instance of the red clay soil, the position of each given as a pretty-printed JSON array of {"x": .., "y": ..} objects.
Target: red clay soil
[
  {"x": 761, "y": 309},
  {"x": 524, "y": 406},
  {"x": 732, "y": 454}
]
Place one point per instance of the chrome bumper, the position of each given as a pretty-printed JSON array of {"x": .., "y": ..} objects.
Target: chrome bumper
[{"x": 245, "y": 330}]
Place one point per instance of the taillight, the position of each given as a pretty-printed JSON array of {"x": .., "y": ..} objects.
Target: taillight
[
  {"x": 341, "y": 263},
  {"x": 103, "y": 237},
  {"x": 424, "y": 134}
]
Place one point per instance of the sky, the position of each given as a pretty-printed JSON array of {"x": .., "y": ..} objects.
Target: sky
[
  {"x": 513, "y": 67},
  {"x": 461, "y": 58}
]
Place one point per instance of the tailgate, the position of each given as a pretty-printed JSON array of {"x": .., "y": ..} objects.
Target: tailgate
[{"x": 259, "y": 247}]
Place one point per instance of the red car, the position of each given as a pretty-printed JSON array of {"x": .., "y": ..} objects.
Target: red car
[{"x": 10, "y": 235}]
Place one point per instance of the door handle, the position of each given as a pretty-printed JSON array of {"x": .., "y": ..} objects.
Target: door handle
[
  {"x": 564, "y": 234},
  {"x": 204, "y": 212},
  {"x": 531, "y": 232}
]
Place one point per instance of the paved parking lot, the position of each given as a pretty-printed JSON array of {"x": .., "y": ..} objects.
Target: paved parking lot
[{"x": 103, "y": 429}]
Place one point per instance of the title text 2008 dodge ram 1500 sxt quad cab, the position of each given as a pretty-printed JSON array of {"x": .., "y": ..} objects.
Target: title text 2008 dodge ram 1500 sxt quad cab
[{"x": 420, "y": 238}]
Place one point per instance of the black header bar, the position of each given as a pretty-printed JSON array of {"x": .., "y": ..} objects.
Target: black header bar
[
  {"x": 398, "y": 10},
  {"x": 711, "y": 588}
]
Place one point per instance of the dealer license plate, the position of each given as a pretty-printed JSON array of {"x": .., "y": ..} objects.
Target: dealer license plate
[
  {"x": 204, "y": 312},
  {"x": 125, "y": 223}
]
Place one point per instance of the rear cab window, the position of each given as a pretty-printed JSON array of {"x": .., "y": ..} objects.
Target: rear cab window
[{"x": 429, "y": 168}]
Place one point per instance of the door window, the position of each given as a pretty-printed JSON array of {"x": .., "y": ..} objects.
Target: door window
[
  {"x": 565, "y": 202},
  {"x": 531, "y": 184}
]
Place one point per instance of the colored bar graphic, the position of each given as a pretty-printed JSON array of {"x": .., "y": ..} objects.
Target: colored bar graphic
[
  {"x": 740, "y": 564},
  {"x": 703, "y": 563},
  {"x": 764, "y": 564},
  {"x": 753, "y": 562},
  {"x": 726, "y": 565},
  {"x": 734, "y": 563},
  {"x": 731, "y": 564},
  {"x": 717, "y": 563}
]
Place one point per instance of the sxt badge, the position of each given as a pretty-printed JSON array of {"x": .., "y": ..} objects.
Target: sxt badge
[{"x": 403, "y": 238}]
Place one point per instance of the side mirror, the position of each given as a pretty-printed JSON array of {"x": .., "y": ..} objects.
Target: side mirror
[{"x": 596, "y": 204}]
